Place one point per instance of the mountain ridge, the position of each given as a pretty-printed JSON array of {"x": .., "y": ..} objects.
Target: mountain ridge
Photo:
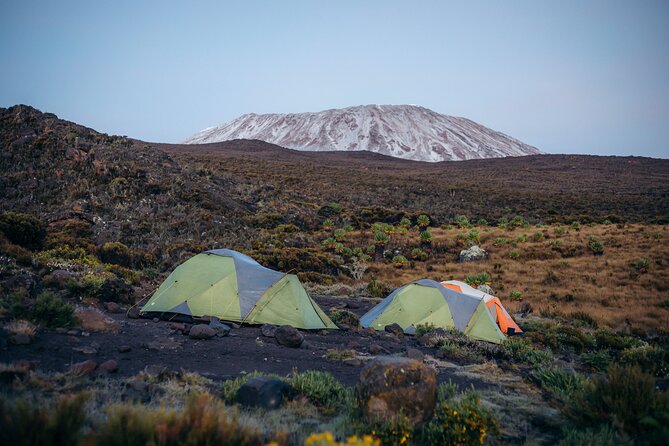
[{"x": 402, "y": 131}]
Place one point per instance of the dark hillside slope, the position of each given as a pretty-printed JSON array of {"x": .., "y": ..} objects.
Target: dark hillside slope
[{"x": 158, "y": 195}]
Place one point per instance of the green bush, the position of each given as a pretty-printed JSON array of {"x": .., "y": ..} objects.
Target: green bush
[
  {"x": 23, "y": 229},
  {"x": 515, "y": 295},
  {"x": 423, "y": 221},
  {"x": 500, "y": 241},
  {"x": 559, "y": 230},
  {"x": 463, "y": 422},
  {"x": 116, "y": 253},
  {"x": 381, "y": 238},
  {"x": 422, "y": 329},
  {"x": 595, "y": 246},
  {"x": 538, "y": 237},
  {"x": 89, "y": 285},
  {"x": 462, "y": 222},
  {"x": 66, "y": 257},
  {"x": 378, "y": 289},
  {"x": 405, "y": 223},
  {"x": 474, "y": 237},
  {"x": 458, "y": 352},
  {"x": 603, "y": 436},
  {"x": 342, "y": 316},
  {"x": 557, "y": 381},
  {"x": 23, "y": 423},
  {"x": 626, "y": 396},
  {"x": 418, "y": 254},
  {"x": 481, "y": 222},
  {"x": 322, "y": 389},
  {"x": 649, "y": 357},
  {"x": 425, "y": 237},
  {"x": 50, "y": 311},
  {"x": 328, "y": 224},
  {"x": 597, "y": 361},
  {"x": 400, "y": 261},
  {"x": 576, "y": 226},
  {"x": 641, "y": 265},
  {"x": 478, "y": 279},
  {"x": 514, "y": 254},
  {"x": 522, "y": 351},
  {"x": 340, "y": 234}
]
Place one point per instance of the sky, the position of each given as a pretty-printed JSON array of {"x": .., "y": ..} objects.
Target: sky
[{"x": 567, "y": 76}]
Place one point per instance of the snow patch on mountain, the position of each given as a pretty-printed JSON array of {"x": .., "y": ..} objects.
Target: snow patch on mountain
[{"x": 403, "y": 131}]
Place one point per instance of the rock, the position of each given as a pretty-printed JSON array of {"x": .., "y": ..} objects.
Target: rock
[
  {"x": 268, "y": 330},
  {"x": 133, "y": 313},
  {"x": 414, "y": 353},
  {"x": 288, "y": 336},
  {"x": 124, "y": 349},
  {"x": 155, "y": 319},
  {"x": 353, "y": 362},
  {"x": 20, "y": 339},
  {"x": 395, "y": 329},
  {"x": 473, "y": 254},
  {"x": 389, "y": 386},
  {"x": 85, "y": 350},
  {"x": 486, "y": 289},
  {"x": 163, "y": 344},
  {"x": 93, "y": 319},
  {"x": 59, "y": 278},
  {"x": 263, "y": 391},
  {"x": 109, "y": 366},
  {"x": 201, "y": 331},
  {"x": 177, "y": 326},
  {"x": 83, "y": 368},
  {"x": 221, "y": 328},
  {"x": 352, "y": 304},
  {"x": 376, "y": 349},
  {"x": 61, "y": 330},
  {"x": 113, "y": 307},
  {"x": 73, "y": 332}
]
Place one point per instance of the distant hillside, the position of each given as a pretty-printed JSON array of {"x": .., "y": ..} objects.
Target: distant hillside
[
  {"x": 402, "y": 131},
  {"x": 228, "y": 194}
]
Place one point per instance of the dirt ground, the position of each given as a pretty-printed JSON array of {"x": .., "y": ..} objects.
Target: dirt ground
[{"x": 245, "y": 349}]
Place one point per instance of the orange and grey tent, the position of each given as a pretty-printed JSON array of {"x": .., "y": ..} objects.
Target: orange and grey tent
[{"x": 497, "y": 310}]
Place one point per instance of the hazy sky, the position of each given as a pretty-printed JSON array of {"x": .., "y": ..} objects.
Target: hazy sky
[{"x": 566, "y": 76}]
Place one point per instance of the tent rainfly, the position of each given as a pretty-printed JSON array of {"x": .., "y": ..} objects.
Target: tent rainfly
[
  {"x": 233, "y": 287},
  {"x": 428, "y": 302},
  {"x": 497, "y": 310}
]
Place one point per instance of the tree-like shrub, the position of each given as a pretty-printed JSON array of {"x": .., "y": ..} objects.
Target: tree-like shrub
[{"x": 23, "y": 229}]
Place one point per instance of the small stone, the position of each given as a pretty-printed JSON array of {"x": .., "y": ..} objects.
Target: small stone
[
  {"x": 83, "y": 368},
  {"x": 376, "y": 349},
  {"x": 93, "y": 319},
  {"x": 109, "y": 366},
  {"x": 133, "y": 313},
  {"x": 268, "y": 330},
  {"x": 155, "y": 319},
  {"x": 20, "y": 339},
  {"x": 61, "y": 330},
  {"x": 395, "y": 329},
  {"x": 73, "y": 332},
  {"x": 288, "y": 336},
  {"x": 124, "y": 349},
  {"x": 177, "y": 326},
  {"x": 113, "y": 307},
  {"x": 201, "y": 331},
  {"x": 85, "y": 350},
  {"x": 414, "y": 353},
  {"x": 221, "y": 328},
  {"x": 353, "y": 362}
]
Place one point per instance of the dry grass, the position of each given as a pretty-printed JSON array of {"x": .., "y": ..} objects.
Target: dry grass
[
  {"x": 608, "y": 287},
  {"x": 20, "y": 327}
]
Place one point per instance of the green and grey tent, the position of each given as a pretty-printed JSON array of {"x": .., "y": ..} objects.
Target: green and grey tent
[
  {"x": 428, "y": 302},
  {"x": 233, "y": 287}
]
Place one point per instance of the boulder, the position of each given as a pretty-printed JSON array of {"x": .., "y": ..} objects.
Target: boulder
[
  {"x": 83, "y": 368},
  {"x": 486, "y": 289},
  {"x": 93, "y": 319},
  {"x": 201, "y": 331},
  {"x": 109, "y": 366},
  {"x": 473, "y": 254},
  {"x": 376, "y": 349},
  {"x": 133, "y": 313},
  {"x": 288, "y": 336},
  {"x": 268, "y": 330},
  {"x": 113, "y": 307},
  {"x": 263, "y": 391},
  {"x": 220, "y": 328},
  {"x": 414, "y": 353},
  {"x": 390, "y": 386},
  {"x": 395, "y": 329}
]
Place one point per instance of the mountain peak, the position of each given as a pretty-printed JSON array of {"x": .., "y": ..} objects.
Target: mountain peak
[{"x": 403, "y": 131}]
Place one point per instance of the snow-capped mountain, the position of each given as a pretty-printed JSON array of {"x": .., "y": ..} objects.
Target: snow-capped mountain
[{"x": 403, "y": 131}]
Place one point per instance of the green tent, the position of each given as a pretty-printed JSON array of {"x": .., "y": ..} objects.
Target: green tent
[
  {"x": 428, "y": 302},
  {"x": 233, "y": 287}
]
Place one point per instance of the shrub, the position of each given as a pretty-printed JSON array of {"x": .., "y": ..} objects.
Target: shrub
[
  {"x": 516, "y": 295},
  {"x": 418, "y": 254},
  {"x": 464, "y": 422},
  {"x": 333, "y": 354},
  {"x": 538, "y": 237},
  {"x": 603, "y": 436},
  {"x": 400, "y": 261},
  {"x": 457, "y": 352},
  {"x": 559, "y": 230},
  {"x": 18, "y": 253},
  {"x": 478, "y": 279},
  {"x": 518, "y": 222},
  {"x": 39, "y": 425},
  {"x": 50, "y": 310},
  {"x": 482, "y": 222},
  {"x": 405, "y": 223},
  {"x": 422, "y": 329},
  {"x": 557, "y": 381},
  {"x": 20, "y": 326},
  {"x": 89, "y": 285},
  {"x": 522, "y": 351},
  {"x": 595, "y": 246},
  {"x": 340, "y": 234},
  {"x": 648, "y": 357},
  {"x": 473, "y": 237},
  {"x": 513, "y": 254},
  {"x": 378, "y": 289},
  {"x": 641, "y": 265},
  {"x": 423, "y": 221},
  {"x": 328, "y": 224},
  {"x": 500, "y": 241},
  {"x": 576, "y": 226},
  {"x": 329, "y": 243},
  {"x": 607, "y": 339},
  {"x": 342, "y": 316},
  {"x": 397, "y": 431},
  {"x": 521, "y": 238},
  {"x": 322, "y": 389},
  {"x": 462, "y": 221},
  {"x": 597, "y": 361},
  {"x": 327, "y": 439},
  {"x": 627, "y": 396},
  {"x": 425, "y": 237},
  {"x": 584, "y": 318},
  {"x": 204, "y": 420},
  {"x": 23, "y": 229},
  {"x": 66, "y": 257},
  {"x": 116, "y": 253},
  {"x": 381, "y": 239}
]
